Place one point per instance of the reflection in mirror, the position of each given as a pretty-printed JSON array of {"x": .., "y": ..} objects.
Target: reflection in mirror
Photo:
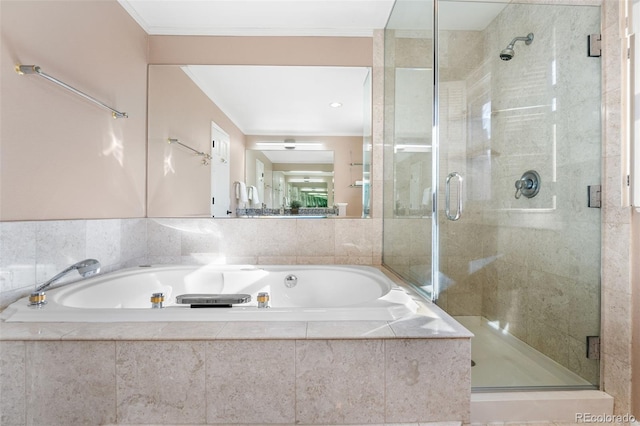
[
  {"x": 257, "y": 105},
  {"x": 282, "y": 176},
  {"x": 316, "y": 171}
]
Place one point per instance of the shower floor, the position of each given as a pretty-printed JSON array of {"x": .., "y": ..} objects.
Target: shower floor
[{"x": 503, "y": 361}]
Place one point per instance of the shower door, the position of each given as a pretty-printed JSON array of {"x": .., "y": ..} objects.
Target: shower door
[{"x": 508, "y": 244}]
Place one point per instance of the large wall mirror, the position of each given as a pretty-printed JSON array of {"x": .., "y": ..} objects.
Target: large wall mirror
[{"x": 291, "y": 132}]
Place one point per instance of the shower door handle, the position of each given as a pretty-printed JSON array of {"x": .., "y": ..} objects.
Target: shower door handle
[{"x": 447, "y": 192}]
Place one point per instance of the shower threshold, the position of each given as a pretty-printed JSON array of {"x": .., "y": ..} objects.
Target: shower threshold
[{"x": 547, "y": 391}]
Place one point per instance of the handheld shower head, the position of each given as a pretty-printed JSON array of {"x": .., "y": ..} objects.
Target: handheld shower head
[
  {"x": 87, "y": 267},
  {"x": 508, "y": 53}
]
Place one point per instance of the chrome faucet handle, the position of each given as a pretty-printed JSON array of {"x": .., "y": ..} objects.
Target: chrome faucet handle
[
  {"x": 523, "y": 184},
  {"x": 528, "y": 185}
]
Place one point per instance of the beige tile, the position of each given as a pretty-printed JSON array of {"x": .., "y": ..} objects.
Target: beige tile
[
  {"x": 115, "y": 331},
  {"x": 276, "y": 260},
  {"x": 133, "y": 243},
  {"x": 164, "y": 237},
  {"x": 240, "y": 260},
  {"x": 315, "y": 260},
  {"x": 164, "y": 260},
  {"x": 36, "y": 331},
  {"x": 353, "y": 238},
  {"x": 315, "y": 237},
  {"x": 160, "y": 382},
  {"x": 617, "y": 383},
  {"x": 59, "y": 243},
  {"x": 354, "y": 260},
  {"x": 437, "y": 375},
  {"x": 238, "y": 237},
  {"x": 277, "y": 237},
  {"x": 206, "y": 237},
  {"x": 613, "y": 212},
  {"x": 441, "y": 424},
  {"x": 64, "y": 378},
  {"x": 251, "y": 381},
  {"x": 184, "y": 330},
  {"x": 12, "y": 383},
  {"x": 612, "y": 116},
  {"x": 264, "y": 330},
  {"x": 340, "y": 381},
  {"x": 103, "y": 240},
  {"x": 17, "y": 255},
  {"x": 616, "y": 333},
  {"x": 348, "y": 329}
]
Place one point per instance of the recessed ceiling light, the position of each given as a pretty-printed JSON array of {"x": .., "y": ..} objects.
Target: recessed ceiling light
[{"x": 335, "y": 104}]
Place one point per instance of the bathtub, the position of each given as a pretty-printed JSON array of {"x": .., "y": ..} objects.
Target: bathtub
[{"x": 320, "y": 293}]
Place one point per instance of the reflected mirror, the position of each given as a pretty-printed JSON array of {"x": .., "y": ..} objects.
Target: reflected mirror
[
  {"x": 281, "y": 176},
  {"x": 291, "y": 132}
]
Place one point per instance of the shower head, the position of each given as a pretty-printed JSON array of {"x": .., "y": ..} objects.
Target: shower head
[{"x": 508, "y": 52}]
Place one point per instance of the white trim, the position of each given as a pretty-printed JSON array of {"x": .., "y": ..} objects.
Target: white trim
[{"x": 261, "y": 32}]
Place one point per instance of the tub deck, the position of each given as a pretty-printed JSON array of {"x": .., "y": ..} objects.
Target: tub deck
[{"x": 408, "y": 370}]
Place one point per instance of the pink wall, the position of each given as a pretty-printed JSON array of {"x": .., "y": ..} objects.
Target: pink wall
[
  {"x": 338, "y": 51},
  {"x": 63, "y": 157},
  {"x": 178, "y": 184}
]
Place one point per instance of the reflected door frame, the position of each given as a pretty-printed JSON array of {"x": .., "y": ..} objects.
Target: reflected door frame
[{"x": 220, "y": 172}]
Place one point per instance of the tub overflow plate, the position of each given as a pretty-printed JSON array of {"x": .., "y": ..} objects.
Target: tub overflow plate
[{"x": 290, "y": 281}]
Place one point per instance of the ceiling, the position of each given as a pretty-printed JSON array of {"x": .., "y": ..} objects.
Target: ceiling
[{"x": 260, "y": 17}]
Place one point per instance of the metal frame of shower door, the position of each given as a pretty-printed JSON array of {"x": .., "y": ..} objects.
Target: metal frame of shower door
[{"x": 435, "y": 166}]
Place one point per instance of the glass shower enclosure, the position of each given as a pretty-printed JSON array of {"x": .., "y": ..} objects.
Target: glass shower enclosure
[{"x": 492, "y": 165}]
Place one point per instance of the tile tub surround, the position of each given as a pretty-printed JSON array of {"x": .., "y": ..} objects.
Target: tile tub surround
[
  {"x": 253, "y": 241},
  {"x": 32, "y": 252},
  {"x": 411, "y": 370}
]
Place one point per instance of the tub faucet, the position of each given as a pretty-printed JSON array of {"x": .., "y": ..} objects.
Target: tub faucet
[{"x": 85, "y": 268}]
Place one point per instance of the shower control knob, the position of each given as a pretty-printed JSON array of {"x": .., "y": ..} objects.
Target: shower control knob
[{"x": 528, "y": 185}]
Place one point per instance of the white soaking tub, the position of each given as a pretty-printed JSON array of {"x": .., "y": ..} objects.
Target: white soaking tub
[{"x": 296, "y": 293}]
